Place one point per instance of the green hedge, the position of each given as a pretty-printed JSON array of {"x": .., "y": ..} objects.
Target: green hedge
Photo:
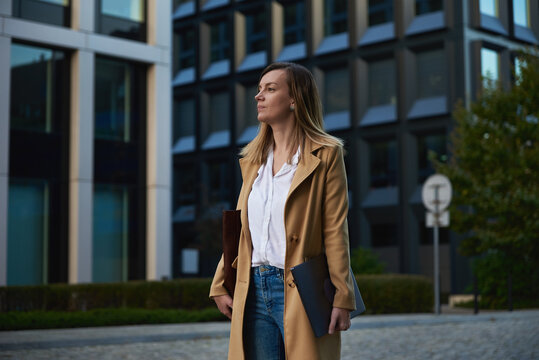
[
  {"x": 383, "y": 294},
  {"x": 187, "y": 294},
  {"x": 396, "y": 293},
  {"x": 23, "y": 320}
]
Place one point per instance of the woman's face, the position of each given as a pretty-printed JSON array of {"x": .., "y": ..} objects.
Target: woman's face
[{"x": 273, "y": 98}]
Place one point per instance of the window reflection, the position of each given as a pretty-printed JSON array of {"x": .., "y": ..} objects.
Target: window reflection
[
  {"x": 110, "y": 233},
  {"x": 54, "y": 12},
  {"x": 380, "y": 12},
  {"x": 255, "y": 32},
  {"x": 521, "y": 10},
  {"x": 122, "y": 18},
  {"x": 184, "y": 119},
  {"x": 382, "y": 86},
  {"x": 335, "y": 17},
  {"x": 336, "y": 90},
  {"x": 425, "y": 144},
  {"x": 28, "y": 236},
  {"x": 427, "y": 6},
  {"x": 113, "y": 100},
  {"x": 186, "y": 48},
  {"x": 219, "y": 41},
  {"x": 383, "y": 164},
  {"x": 294, "y": 23},
  {"x": 430, "y": 74},
  {"x": 36, "y": 77},
  {"x": 125, "y": 9},
  {"x": 489, "y": 7},
  {"x": 490, "y": 67}
]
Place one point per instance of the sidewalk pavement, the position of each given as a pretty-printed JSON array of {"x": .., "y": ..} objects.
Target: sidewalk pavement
[{"x": 488, "y": 335}]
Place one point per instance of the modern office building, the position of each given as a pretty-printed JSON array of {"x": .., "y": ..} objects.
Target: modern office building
[
  {"x": 389, "y": 72},
  {"x": 85, "y": 181}
]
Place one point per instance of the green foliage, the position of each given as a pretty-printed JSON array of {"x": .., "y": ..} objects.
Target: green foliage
[
  {"x": 365, "y": 261},
  {"x": 492, "y": 275},
  {"x": 494, "y": 171},
  {"x": 396, "y": 293},
  {"x": 189, "y": 294},
  {"x": 21, "y": 320},
  {"x": 183, "y": 300}
]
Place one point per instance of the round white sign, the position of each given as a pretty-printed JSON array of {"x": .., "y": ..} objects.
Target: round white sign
[{"x": 436, "y": 193}]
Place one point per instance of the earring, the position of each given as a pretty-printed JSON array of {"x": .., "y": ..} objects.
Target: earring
[{"x": 292, "y": 107}]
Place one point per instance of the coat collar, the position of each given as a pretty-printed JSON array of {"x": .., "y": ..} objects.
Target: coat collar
[{"x": 309, "y": 162}]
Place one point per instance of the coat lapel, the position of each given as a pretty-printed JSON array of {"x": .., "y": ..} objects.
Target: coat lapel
[{"x": 306, "y": 166}]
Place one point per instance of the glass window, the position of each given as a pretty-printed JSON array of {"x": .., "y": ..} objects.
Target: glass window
[
  {"x": 335, "y": 17},
  {"x": 124, "y": 9},
  {"x": 122, "y": 18},
  {"x": 37, "y": 88},
  {"x": 54, "y": 12},
  {"x": 382, "y": 83},
  {"x": 383, "y": 164},
  {"x": 426, "y": 144},
  {"x": 219, "y": 112},
  {"x": 431, "y": 74},
  {"x": 110, "y": 233},
  {"x": 28, "y": 235},
  {"x": 427, "y": 6},
  {"x": 114, "y": 100},
  {"x": 218, "y": 181},
  {"x": 294, "y": 23},
  {"x": 220, "y": 41},
  {"x": 186, "y": 48},
  {"x": 255, "y": 32},
  {"x": 336, "y": 90},
  {"x": 489, "y": 7},
  {"x": 184, "y": 118},
  {"x": 185, "y": 182},
  {"x": 383, "y": 235},
  {"x": 490, "y": 66},
  {"x": 380, "y": 12},
  {"x": 521, "y": 11}
]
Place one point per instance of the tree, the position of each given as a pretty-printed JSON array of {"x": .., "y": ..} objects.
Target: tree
[{"x": 494, "y": 170}]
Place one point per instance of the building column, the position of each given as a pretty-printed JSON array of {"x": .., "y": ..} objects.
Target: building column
[
  {"x": 81, "y": 151},
  {"x": 5, "y": 74},
  {"x": 159, "y": 194},
  {"x": 158, "y": 155}
]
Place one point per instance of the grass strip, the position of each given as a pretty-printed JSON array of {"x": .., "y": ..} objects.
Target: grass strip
[{"x": 26, "y": 320}]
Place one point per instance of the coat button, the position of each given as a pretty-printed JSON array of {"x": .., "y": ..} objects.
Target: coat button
[{"x": 291, "y": 283}]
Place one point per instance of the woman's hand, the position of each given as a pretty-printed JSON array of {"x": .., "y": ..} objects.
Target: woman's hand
[
  {"x": 224, "y": 303},
  {"x": 340, "y": 320}
]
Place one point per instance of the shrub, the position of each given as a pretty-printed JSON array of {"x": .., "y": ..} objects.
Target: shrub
[
  {"x": 396, "y": 293},
  {"x": 382, "y": 294},
  {"x": 365, "y": 261}
]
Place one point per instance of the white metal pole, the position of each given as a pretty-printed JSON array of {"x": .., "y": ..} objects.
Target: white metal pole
[
  {"x": 436, "y": 270},
  {"x": 436, "y": 259}
]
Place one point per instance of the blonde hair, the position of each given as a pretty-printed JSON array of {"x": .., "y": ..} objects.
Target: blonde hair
[{"x": 307, "y": 113}]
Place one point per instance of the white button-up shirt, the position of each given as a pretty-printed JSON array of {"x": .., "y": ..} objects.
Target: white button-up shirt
[{"x": 265, "y": 210}]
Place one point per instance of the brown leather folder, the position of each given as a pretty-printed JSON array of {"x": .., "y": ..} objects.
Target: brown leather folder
[{"x": 231, "y": 239}]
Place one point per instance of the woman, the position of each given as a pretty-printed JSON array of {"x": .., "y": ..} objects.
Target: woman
[{"x": 294, "y": 206}]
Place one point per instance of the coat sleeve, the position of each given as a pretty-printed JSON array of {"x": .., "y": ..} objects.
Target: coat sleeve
[
  {"x": 335, "y": 229},
  {"x": 217, "y": 286}
]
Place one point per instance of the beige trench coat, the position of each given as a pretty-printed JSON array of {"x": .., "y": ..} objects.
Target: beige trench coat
[{"x": 315, "y": 219}]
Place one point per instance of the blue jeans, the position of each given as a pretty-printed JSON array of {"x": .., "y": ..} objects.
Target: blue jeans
[{"x": 263, "y": 335}]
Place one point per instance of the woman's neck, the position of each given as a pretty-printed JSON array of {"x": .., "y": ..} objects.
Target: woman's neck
[{"x": 283, "y": 138}]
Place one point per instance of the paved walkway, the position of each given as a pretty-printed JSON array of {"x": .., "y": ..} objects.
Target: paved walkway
[{"x": 499, "y": 335}]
